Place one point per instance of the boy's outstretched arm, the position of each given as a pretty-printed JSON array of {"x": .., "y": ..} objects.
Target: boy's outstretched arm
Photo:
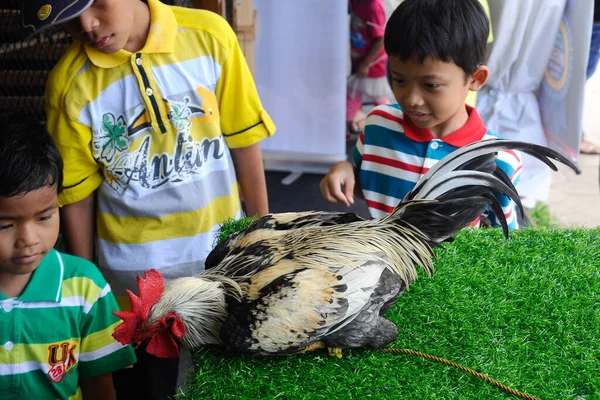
[
  {"x": 78, "y": 220},
  {"x": 340, "y": 185},
  {"x": 98, "y": 388},
  {"x": 250, "y": 173}
]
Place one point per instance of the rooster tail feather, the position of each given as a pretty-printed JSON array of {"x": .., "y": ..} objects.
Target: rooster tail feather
[
  {"x": 461, "y": 197},
  {"x": 499, "y": 212},
  {"x": 440, "y": 220},
  {"x": 480, "y": 155},
  {"x": 457, "y": 190}
]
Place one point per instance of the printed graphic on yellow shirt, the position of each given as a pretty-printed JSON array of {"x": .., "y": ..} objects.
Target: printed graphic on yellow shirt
[
  {"x": 113, "y": 137},
  {"x": 124, "y": 143}
]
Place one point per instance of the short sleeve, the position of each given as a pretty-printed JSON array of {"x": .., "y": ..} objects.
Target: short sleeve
[
  {"x": 358, "y": 151},
  {"x": 74, "y": 140},
  {"x": 100, "y": 353},
  {"x": 243, "y": 120}
]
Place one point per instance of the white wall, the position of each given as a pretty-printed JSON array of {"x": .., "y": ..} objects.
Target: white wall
[{"x": 302, "y": 50}]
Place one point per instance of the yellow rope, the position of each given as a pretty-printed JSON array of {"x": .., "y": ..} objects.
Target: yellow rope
[{"x": 465, "y": 369}]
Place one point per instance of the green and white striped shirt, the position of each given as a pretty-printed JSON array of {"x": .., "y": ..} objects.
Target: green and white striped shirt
[{"x": 58, "y": 330}]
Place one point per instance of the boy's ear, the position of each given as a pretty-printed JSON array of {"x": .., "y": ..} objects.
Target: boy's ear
[{"x": 479, "y": 78}]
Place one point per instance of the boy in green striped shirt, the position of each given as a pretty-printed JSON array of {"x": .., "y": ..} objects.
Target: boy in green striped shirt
[{"x": 56, "y": 310}]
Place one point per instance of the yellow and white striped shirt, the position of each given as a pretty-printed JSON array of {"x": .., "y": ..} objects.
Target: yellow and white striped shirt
[{"x": 150, "y": 132}]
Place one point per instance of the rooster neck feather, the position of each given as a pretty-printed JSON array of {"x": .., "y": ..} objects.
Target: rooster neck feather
[{"x": 201, "y": 303}]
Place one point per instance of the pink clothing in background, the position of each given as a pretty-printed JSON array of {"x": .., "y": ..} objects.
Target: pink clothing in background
[
  {"x": 367, "y": 23},
  {"x": 355, "y": 104}
]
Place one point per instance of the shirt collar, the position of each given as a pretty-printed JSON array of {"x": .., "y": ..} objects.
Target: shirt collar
[
  {"x": 46, "y": 280},
  {"x": 161, "y": 38},
  {"x": 471, "y": 132}
]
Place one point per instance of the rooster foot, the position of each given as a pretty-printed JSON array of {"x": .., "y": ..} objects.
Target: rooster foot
[
  {"x": 335, "y": 352},
  {"x": 313, "y": 346}
]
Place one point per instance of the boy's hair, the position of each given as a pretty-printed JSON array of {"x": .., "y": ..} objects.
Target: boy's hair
[
  {"x": 29, "y": 160},
  {"x": 447, "y": 30}
]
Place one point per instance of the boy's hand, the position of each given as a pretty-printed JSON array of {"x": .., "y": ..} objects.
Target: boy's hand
[{"x": 338, "y": 184}]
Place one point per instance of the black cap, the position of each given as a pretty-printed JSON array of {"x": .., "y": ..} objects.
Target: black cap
[{"x": 38, "y": 15}]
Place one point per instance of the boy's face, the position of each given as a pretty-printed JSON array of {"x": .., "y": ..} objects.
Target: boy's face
[
  {"x": 109, "y": 26},
  {"x": 28, "y": 230},
  {"x": 432, "y": 93}
]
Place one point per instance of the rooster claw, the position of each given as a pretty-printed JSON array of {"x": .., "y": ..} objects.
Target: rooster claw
[
  {"x": 335, "y": 352},
  {"x": 313, "y": 346}
]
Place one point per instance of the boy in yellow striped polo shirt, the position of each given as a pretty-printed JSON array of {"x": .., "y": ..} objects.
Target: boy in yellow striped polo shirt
[
  {"x": 158, "y": 121},
  {"x": 55, "y": 309}
]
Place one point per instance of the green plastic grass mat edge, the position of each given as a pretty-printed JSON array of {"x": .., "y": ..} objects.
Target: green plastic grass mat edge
[{"x": 525, "y": 312}]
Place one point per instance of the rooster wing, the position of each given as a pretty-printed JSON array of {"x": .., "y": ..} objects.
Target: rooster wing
[
  {"x": 291, "y": 304},
  {"x": 300, "y": 286}
]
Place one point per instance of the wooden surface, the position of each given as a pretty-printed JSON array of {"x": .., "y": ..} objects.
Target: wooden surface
[
  {"x": 246, "y": 30},
  {"x": 212, "y": 5}
]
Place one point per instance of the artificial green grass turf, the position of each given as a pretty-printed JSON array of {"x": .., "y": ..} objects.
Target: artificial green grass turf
[
  {"x": 231, "y": 226},
  {"x": 524, "y": 311}
]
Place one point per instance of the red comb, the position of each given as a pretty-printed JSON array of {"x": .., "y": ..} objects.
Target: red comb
[{"x": 150, "y": 289}]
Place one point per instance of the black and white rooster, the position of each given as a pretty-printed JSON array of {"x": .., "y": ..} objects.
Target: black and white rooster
[{"x": 296, "y": 282}]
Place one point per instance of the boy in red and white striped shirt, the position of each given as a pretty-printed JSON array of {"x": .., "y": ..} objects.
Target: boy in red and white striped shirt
[{"x": 436, "y": 50}]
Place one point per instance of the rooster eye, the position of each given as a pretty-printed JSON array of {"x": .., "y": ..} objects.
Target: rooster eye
[{"x": 170, "y": 320}]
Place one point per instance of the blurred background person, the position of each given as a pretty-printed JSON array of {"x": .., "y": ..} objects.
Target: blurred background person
[
  {"x": 367, "y": 83},
  {"x": 524, "y": 38},
  {"x": 587, "y": 147}
]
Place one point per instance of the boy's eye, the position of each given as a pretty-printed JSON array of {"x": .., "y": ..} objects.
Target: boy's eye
[
  {"x": 431, "y": 85},
  {"x": 5, "y": 227},
  {"x": 45, "y": 218},
  {"x": 398, "y": 81}
]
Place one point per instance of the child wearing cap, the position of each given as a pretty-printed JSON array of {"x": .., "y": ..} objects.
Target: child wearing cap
[{"x": 157, "y": 118}]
